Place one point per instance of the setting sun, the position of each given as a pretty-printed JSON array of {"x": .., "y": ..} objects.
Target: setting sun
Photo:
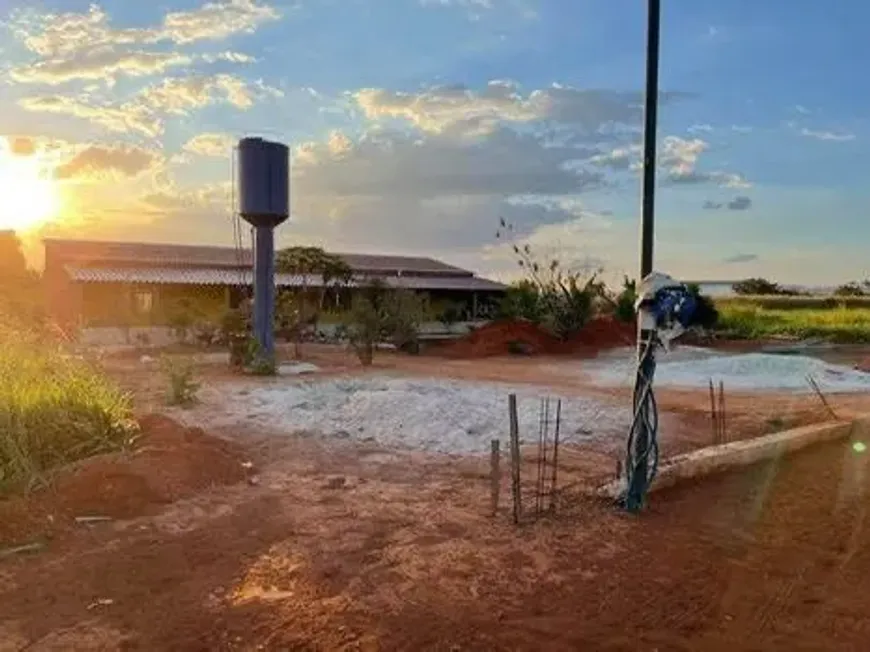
[{"x": 28, "y": 194}]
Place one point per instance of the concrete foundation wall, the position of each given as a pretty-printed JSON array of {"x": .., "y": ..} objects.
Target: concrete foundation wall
[{"x": 739, "y": 454}]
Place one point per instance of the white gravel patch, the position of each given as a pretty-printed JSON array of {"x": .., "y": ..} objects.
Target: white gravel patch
[
  {"x": 751, "y": 371},
  {"x": 442, "y": 416}
]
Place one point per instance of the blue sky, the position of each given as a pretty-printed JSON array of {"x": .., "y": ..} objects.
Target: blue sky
[{"x": 416, "y": 124}]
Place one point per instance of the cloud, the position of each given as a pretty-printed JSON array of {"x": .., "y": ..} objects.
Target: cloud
[
  {"x": 701, "y": 128},
  {"x": 476, "y": 8},
  {"x": 74, "y": 45},
  {"x": 740, "y": 203},
  {"x": 678, "y": 160},
  {"x": 98, "y": 64},
  {"x": 827, "y": 135},
  {"x": 459, "y": 110},
  {"x": 145, "y": 112},
  {"x": 21, "y": 146},
  {"x": 210, "y": 144},
  {"x": 180, "y": 95},
  {"x": 741, "y": 258},
  {"x": 124, "y": 118},
  {"x": 99, "y": 161}
]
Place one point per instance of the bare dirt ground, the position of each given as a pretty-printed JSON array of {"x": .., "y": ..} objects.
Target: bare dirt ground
[{"x": 334, "y": 545}]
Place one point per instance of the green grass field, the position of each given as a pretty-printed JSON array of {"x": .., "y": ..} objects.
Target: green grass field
[
  {"x": 798, "y": 317},
  {"x": 54, "y": 409}
]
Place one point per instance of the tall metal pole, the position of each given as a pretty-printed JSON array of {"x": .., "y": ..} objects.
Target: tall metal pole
[
  {"x": 647, "y": 219},
  {"x": 637, "y": 488}
]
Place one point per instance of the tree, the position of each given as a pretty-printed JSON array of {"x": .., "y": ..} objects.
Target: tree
[
  {"x": 757, "y": 287},
  {"x": 379, "y": 313},
  {"x": 565, "y": 299},
  {"x": 308, "y": 262},
  {"x": 851, "y": 290}
]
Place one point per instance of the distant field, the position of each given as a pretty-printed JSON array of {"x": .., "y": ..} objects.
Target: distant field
[
  {"x": 793, "y": 302},
  {"x": 840, "y": 320}
]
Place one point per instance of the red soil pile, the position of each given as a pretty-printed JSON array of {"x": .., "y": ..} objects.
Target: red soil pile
[
  {"x": 169, "y": 462},
  {"x": 497, "y": 338}
]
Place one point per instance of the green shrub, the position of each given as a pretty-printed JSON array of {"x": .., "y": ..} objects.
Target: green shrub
[
  {"x": 182, "y": 387},
  {"x": 623, "y": 309},
  {"x": 364, "y": 326},
  {"x": 54, "y": 409}
]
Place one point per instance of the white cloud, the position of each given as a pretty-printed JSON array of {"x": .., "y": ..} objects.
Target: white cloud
[
  {"x": 123, "y": 118},
  {"x": 460, "y": 110},
  {"x": 180, "y": 95},
  {"x": 144, "y": 113},
  {"x": 678, "y": 160},
  {"x": 86, "y": 46},
  {"x": 103, "y": 64},
  {"x": 210, "y": 144},
  {"x": 827, "y": 135},
  {"x": 96, "y": 162}
]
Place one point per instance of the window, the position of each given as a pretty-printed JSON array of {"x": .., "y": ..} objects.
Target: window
[{"x": 143, "y": 302}]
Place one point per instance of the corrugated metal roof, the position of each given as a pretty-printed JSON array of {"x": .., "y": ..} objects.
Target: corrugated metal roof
[
  {"x": 237, "y": 277},
  {"x": 85, "y": 252}
]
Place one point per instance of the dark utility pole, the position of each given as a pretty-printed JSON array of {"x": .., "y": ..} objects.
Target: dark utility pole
[{"x": 637, "y": 488}]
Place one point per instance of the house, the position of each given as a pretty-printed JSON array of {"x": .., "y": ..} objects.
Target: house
[{"x": 122, "y": 284}]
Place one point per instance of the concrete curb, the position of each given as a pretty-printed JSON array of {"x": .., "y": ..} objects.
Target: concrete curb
[{"x": 716, "y": 459}]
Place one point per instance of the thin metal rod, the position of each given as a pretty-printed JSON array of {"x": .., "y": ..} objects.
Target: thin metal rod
[{"x": 553, "y": 485}]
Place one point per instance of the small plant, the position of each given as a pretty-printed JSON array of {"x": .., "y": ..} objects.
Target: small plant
[
  {"x": 255, "y": 362},
  {"x": 234, "y": 333},
  {"x": 182, "y": 388}
]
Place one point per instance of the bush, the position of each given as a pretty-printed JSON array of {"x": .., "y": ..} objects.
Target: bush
[
  {"x": 54, "y": 409},
  {"x": 623, "y": 309},
  {"x": 182, "y": 387},
  {"x": 760, "y": 287},
  {"x": 378, "y": 313},
  {"x": 403, "y": 311},
  {"x": 522, "y": 301},
  {"x": 363, "y": 327}
]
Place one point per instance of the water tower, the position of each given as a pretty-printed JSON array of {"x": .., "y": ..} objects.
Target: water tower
[{"x": 264, "y": 202}]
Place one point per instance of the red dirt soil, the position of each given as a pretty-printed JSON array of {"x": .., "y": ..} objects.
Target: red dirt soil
[
  {"x": 775, "y": 557},
  {"x": 169, "y": 462},
  {"x": 497, "y": 337}
]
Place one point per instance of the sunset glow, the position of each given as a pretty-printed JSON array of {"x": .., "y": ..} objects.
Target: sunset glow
[{"x": 28, "y": 195}]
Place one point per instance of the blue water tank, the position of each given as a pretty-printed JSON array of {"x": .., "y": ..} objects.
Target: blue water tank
[{"x": 264, "y": 181}]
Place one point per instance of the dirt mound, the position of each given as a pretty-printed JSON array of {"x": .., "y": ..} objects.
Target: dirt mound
[
  {"x": 498, "y": 337},
  {"x": 169, "y": 462},
  {"x": 603, "y": 334},
  {"x": 504, "y": 337}
]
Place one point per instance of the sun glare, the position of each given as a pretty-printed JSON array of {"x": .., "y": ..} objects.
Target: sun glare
[{"x": 28, "y": 195}]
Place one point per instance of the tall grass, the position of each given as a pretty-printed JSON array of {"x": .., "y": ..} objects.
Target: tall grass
[
  {"x": 54, "y": 408},
  {"x": 748, "y": 321}
]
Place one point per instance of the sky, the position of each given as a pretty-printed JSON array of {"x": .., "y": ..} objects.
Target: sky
[{"x": 416, "y": 125}]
